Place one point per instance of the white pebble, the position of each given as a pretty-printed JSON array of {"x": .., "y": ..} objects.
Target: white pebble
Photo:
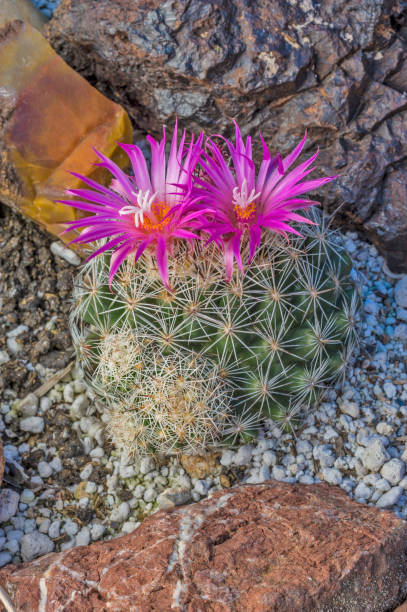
[
  {"x": 54, "y": 529},
  {"x": 243, "y": 455},
  {"x": 68, "y": 393},
  {"x": 129, "y": 526},
  {"x": 58, "y": 249},
  {"x": 227, "y": 457},
  {"x": 86, "y": 472},
  {"x": 393, "y": 471},
  {"x": 390, "y": 498},
  {"x": 91, "y": 487},
  {"x": 362, "y": 491},
  {"x": 4, "y": 358},
  {"x": 44, "y": 469},
  {"x": 332, "y": 475},
  {"x": 5, "y": 557},
  {"x": 45, "y": 524},
  {"x": 56, "y": 464},
  {"x": 120, "y": 513},
  {"x": 127, "y": 471},
  {"x": 149, "y": 494},
  {"x": 375, "y": 455},
  {"x": 390, "y": 390},
  {"x": 201, "y": 487},
  {"x": 29, "y": 405},
  {"x": 33, "y": 424},
  {"x": 27, "y": 496},
  {"x": 82, "y": 537},
  {"x": 70, "y": 527},
  {"x": 278, "y": 473},
  {"x": 97, "y": 530},
  {"x": 350, "y": 408},
  {"x": 269, "y": 458},
  {"x": 97, "y": 452},
  {"x": 8, "y": 504},
  {"x": 147, "y": 464},
  {"x": 35, "y": 544}
]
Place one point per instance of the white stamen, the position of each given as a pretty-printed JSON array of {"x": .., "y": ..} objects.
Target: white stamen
[
  {"x": 144, "y": 203},
  {"x": 241, "y": 197}
]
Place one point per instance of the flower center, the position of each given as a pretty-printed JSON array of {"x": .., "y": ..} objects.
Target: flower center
[
  {"x": 245, "y": 207},
  {"x": 245, "y": 214},
  {"x": 159, "y": 210},
  {"x": 148, "y": 215}
]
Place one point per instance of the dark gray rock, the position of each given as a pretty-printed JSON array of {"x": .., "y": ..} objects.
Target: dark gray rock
[{"x": 337, "y": 68}]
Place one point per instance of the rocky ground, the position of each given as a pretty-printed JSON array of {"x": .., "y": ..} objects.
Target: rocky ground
[{"x": 65, "y": 484}]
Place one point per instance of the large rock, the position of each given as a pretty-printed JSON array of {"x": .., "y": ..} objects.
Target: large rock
[
  {"x": 336, "y": 67},
  {"x": 50, "y": 118},
  {"x": 273, "y": 547}
]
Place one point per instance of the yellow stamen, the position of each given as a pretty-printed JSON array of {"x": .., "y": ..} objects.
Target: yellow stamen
[
  {"x": 159, "y": 210},
  {"x": 246, "y": 213}
]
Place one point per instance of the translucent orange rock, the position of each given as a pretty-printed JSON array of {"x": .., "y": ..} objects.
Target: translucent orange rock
[
  {"x": 50, "y": 120},
  {"x": 21, "y": 9}
]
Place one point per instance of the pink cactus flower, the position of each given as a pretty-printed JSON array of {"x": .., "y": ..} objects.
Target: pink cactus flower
[
  {"x": 149, "y": 209},
  {"x": 248, "y": 204}
]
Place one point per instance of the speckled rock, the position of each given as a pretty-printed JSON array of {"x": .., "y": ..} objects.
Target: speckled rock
[
  {"x": 335, "y": 67},
  {"x": 275, "y": 547}
]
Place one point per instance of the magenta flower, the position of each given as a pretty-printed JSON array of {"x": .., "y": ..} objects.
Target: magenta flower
[
  {"x": 149, "y": 209},
  {"x": 244, "y": 203}
]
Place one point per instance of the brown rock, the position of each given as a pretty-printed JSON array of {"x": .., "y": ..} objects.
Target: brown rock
[
  {"x": 336, "y": 67},
  {"x": 273, "y": 547},
  {"x": 198, "y": 466},
  {"x": 50, "y": 118}
]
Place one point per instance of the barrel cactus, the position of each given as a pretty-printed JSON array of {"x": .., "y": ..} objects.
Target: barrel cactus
[{"x": 187, "y": 349}]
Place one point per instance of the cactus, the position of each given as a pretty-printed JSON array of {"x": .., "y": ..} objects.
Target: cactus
[
  {"x": 203, "y": 363},
  {"x": 188, "y": 349}
]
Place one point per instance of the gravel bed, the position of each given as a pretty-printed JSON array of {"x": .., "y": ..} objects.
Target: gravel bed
[{"x": 66, "y": 485}]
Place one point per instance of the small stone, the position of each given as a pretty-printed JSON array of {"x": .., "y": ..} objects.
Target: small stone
[
  {"x": 227, "y": 457},
  {"x": 400, "y": 292},
  {"x": 130, "y": 526},
  {"x": 278, "y": 473},
  {"x": 147, "y": 464},
  {"x": 173, "y": 496},
  {"x": 13, "y": 546},
  {"x": 97, "y": 530},
  {"x": 306, "y": 479},
  {"x": 27, "y": 496},
  {"x": 269, "y": 458},
  {"x": 149, "y": 495},
  {"x": 5, "y": 557},
  {"x": 198, "y": 466},
  {"x": 374, "y": 456},
  {"x": 91, "y": 488},
  {"x": 4, "y": 358},
  {"x": 384, "y": 428},
  {"x": 201, "y": 487},
  {"x": 17, "y": 331},
  {"x": 127, "y": 471},
  {"x": 45, "y": 525},
  {"x": 86, "y": 472},
  {"x": 68, "y": 393},
  {"x": 45, "y": 404},
  {"x": 79, "y": 406},
  {"x": 8, "y": 504},
  {"x": 15, "y": 534},
  {"x": 29, "y": 405},
  {"x": 82, "y": 537},
  {"x": 120, "y": 513},
  {"x": 70, "y": 527},
  {"x": 35, "y": 545},
  {"x": 350, "y": 408},
  {"x": 33, "y": 424},
  {"x": 382, "y": 485},
  {"x": 97, "y": 453},
  {"x": 13, "y": 346},
  {"x": 243, "y": 455},
  {"x": 44, "y": 469},
  {"x": 139, "y": 491},
  {"x": 58, "y": 249},
  {"x": 29, "y": 525},
  {"x": 393, "y": 471},
  {"x": 390, "y": 390},
  {"x": 56, "y": 464},
  {"x": 54, "y": 529},
  {"x": 362, "y": 491},
  {"x": 390, "y": 498},
  {"x": 332, "y": 475}
]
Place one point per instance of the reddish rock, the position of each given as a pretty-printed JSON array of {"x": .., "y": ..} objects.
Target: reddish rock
[
  {"x": 337, "y": 67},
  {"x": 273, "y": 547}
]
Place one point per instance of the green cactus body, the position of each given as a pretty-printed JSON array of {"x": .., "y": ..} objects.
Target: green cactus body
[{"x": 265, "y": 345}]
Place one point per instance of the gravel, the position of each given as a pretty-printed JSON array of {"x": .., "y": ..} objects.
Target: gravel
[{"x": 72, "y": 486}]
